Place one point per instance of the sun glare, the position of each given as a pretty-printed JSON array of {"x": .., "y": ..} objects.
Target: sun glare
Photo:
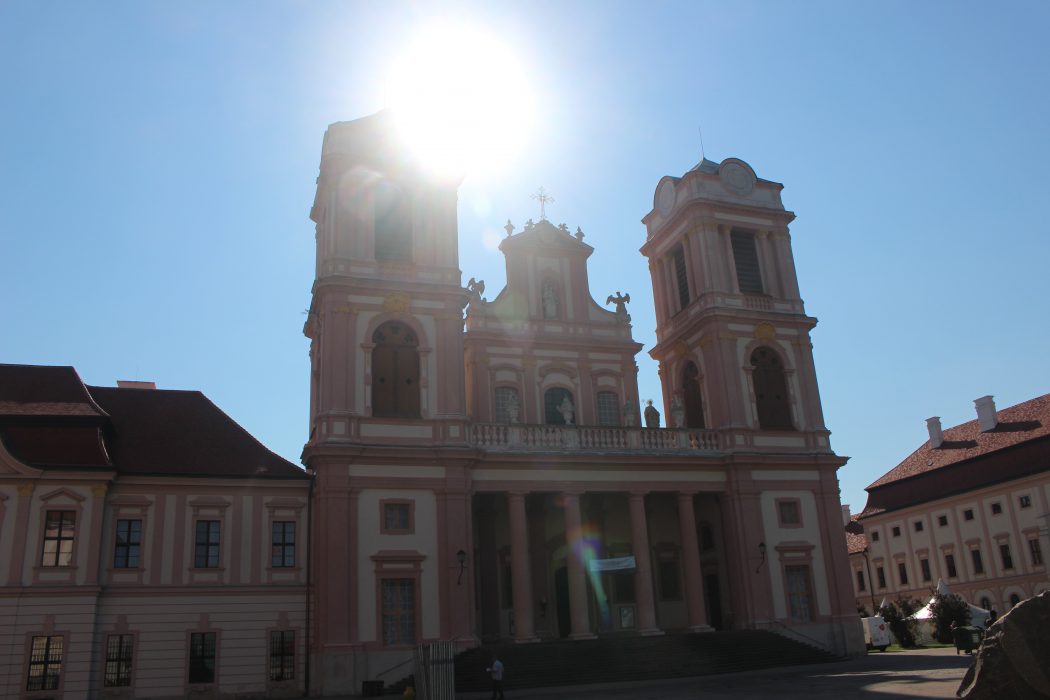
[{"x": 461, "y": 99}]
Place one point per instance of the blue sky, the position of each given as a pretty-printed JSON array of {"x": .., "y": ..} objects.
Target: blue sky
[{"x": 157, "y": 164}]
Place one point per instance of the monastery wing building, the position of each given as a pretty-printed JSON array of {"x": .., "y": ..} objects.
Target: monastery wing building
[{"x": 490, "y": 479}]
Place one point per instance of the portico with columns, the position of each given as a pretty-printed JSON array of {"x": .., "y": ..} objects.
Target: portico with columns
[{"x": 486, "y": 476}]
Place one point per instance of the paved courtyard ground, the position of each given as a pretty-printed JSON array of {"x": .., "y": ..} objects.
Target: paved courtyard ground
[{"x": 923, "y": 673}]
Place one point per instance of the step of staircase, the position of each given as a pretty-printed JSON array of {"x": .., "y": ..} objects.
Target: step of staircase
[{"x": 616, "y": 659}]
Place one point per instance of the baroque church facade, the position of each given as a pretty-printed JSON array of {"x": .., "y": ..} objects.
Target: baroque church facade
[{"x": 487, "y": 476}]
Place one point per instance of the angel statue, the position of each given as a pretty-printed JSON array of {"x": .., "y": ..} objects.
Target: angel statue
[
  {"x": 621, "y": 304},
  {"x": 476, "y": 289}
]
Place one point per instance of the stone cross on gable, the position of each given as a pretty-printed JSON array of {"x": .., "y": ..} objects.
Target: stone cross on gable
[{"x": 544, "y": 199}]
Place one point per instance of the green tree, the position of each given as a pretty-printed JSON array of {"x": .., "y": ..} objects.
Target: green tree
[
  {"x": 947, "y": 609},
  {"x": 896, "y": 614}
]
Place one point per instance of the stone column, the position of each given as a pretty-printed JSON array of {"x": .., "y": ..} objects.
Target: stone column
[
  {"x": 581, "y": 626},
  {"x": 694, "y": 579},
  {"x": 519, "y": 567},
  {"x": 643, "y": 577}
]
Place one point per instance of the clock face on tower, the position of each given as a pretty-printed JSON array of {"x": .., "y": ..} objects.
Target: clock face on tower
[
  {"x": 737, "y": 178},
  {"x": 665, "y": 197}
]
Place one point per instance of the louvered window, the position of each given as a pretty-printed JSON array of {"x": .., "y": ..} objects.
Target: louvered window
[
  {"x": 745, "y": 255},
  {"x": 694, "y": 403},
  {"x": 680, "y": 277},
  {"x": 393, "y": 223},
  {"x": 771, "y": 397},
  {"x": 395, "y": 372}
]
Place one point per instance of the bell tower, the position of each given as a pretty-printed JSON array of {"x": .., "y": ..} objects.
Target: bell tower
[
  {"x": 385, "y": 322},
  {"x": 732, "y": 333}
]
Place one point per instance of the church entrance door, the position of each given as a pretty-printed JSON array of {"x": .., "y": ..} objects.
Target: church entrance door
[{"x": 561, "y": 594}]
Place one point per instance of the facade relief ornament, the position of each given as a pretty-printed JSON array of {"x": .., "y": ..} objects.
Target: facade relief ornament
[
  {"x": 397, "y": 301},
  {"x": 680, "y": 348},
  {"x": 765, "y": 331},
  {"x": 737, "y": 177}
]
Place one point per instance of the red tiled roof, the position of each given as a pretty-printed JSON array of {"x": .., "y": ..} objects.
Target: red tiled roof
[
  {"x": 38, "y": 390},
  {"x": 1017, "y": 424},
  {"x": 157, "y": 431},
  {"x": 856, "y": 540},
  {"x": 48, "y": 418}
]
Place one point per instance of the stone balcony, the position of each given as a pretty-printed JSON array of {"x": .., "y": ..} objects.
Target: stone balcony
[{"x": 503, "y": 437}]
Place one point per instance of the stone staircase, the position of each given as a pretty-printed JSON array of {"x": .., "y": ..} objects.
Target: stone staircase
[{"x": 631, "y": 658}]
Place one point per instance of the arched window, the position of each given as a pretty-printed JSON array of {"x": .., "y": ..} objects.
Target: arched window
[
  {"x": 985, "y": 603},
  {"x": 1014, "y": 599},
  {"x": 608, "y": 408},
  {"x": 508, "y": 407},
  {"x": 558, "y": 407},
  {"x": 393, "y": 222},
  {"x": 694, "y": 403},
  {"x": 395, "y": 371},
  {"x": 771, "y": 397}
]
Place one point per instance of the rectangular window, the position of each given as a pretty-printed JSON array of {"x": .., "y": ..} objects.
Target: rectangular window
[
  {"x": 119, "y": 649},
  {"x": 788, "y": 513},
  {"x": 399, "y": 611},
  {"x": 608, "y": 408},
  {"x": 508, "y": 407},
  {"x": 949, "y": 564},
  {"x": 670, "y": 582},
  {"x": 880, "y": 574},
  {"x": 206, "y": 545},
  {"x": 978, "y": 563},
  {"x": 397, "y": 518},
  {"x": 902, "y": 573},
  {"x": 45, "y": 663},
  {"x": 128, "y": 544},
  {"x": 896, "y": 531},
  {"x": 860, "y": 581},
  {"x": 874, "y": 535},
  {"x": 942, "y": 520},
  {"x": 202, "y": 657},
  {"x": 1036, "y": 551},
  {"x": 680, "y": 277},
  {"x": 968, "y": 514},
  {"x": 282, "y": 655},
  {"x": 745, "y": 256},
  {"x": 1008, "y": 559},
  {"x": 997, "y": 508},
  {"x": 919, "y": 526},
  {"x": 797, "y": 579},
  {"x": 282, "y": 547},
  {"x": 1025, "y": 501},
  {"x": 59, "y": 531},
  {"x": 924, "y": 565}
]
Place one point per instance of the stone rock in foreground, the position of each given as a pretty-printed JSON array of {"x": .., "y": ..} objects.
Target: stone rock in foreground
[{"x": 1012, "y": 661}]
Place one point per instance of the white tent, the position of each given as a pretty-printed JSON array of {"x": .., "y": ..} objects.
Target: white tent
[{"x": 978, "y": 616}]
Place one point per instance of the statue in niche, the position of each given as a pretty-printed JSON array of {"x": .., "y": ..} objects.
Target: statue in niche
[
  {"x": 678, "y": 411},
  {"x": 567, "y": 410},
  {"x": 629, "y": 415},
  {"x": 652, "y": 416},
  {"x": 550, "y": 300}
]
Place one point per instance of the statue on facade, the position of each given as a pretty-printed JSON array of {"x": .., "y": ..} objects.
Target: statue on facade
[
  {"x": 567, "y": 410},
  {"x": 476, "y": 289},
  {"x": 652, "y": 416},
  {"x": 630, "y": 416},
  {"x": 621, "y": 301},
  {"x": 550, "y": 300},
  {"x": 678, "y": 411}
]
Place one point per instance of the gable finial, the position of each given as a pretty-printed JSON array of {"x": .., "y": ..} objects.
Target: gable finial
[{"x": 544, "y": 199}]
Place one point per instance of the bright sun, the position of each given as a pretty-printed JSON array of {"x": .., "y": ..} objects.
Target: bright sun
[{"x": 461, "y": 99}]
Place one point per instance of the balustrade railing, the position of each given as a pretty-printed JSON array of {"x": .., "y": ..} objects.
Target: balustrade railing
[{"x": 516, "y": 437}]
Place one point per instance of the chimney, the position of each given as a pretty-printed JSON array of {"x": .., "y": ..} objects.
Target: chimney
[
  {"x": 128, "y": 384},
  {"x": 845, "y": 513},
  {"x": 986, "y": 413},
  {"x": 934, "y": 426}
]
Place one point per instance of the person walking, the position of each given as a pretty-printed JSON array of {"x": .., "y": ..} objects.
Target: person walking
[{"x": 495, "y": 671}]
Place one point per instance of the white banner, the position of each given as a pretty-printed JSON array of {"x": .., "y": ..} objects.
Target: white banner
[{"x": 615, "y": 564}]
